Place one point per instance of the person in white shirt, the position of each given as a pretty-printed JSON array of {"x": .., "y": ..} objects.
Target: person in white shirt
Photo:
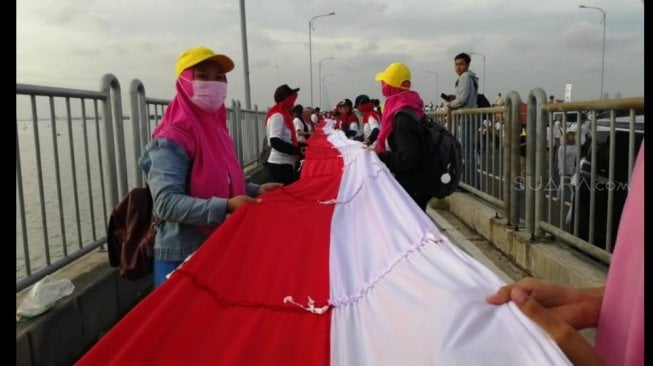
[
  {"x": 567, "y": 164},
  {"x": 316, "y": 117},
  {"x": 371, "y": 119},
  {"x": 347, "y": 120},
  {"x": 301, "y": 127},
  {"x": 498, "y": 101},
  {"x": 557, "y": 134},
  {"x": 307, "y": 114},
  {"x": 282, "y": 137}
]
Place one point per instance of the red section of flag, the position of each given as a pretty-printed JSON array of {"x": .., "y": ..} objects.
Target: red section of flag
[{"x": 225, "y": 305}]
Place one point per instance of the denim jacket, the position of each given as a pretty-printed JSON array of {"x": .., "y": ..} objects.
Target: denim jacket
[{"x": 167, "y": 168}]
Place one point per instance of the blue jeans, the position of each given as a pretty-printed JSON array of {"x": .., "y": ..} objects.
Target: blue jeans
[{"x": 162, "y": 269}]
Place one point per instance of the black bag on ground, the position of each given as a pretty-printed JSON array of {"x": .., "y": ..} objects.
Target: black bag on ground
[
  {"x": 442, "y": 163},
  {"x": 130, "y": 234}
]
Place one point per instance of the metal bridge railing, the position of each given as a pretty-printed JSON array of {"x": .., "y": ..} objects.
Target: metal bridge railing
[
  {"x": 512, "y": 157},
  {"x": 75, "y": 158},
  {"x": 73, "y": 163}
]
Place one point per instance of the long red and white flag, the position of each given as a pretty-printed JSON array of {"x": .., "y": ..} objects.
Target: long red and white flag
[{"x": 339, "y": 268}]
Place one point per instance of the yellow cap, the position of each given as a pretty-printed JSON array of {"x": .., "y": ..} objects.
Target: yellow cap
[
  {"x": 195, "y": 55},
  {"x": 394, "y": 75}
]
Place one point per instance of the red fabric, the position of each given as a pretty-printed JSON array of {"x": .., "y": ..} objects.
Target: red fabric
[
  {"x": 344, "y": 120},
  {"x": 368, "y": 110},
  {"x": 400, "y": 98},
  {"x": 191, "y": 319}
]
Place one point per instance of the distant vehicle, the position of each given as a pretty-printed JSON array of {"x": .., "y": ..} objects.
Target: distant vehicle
[{"x": 602, "y": 186}]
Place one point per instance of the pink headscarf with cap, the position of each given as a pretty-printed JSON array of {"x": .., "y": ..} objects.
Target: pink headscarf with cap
[
  {"x": 215, "y": 170},
  {"x": 397, "y": 98}
]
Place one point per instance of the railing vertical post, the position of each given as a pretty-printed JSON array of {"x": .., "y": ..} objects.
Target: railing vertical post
[
  {"x": 110, "y": 152},
  {"x": 237, "y": 126},
  {"x": 137, "y": 105},
  {"x": 537, "y": 98},
  {"x": 510, "y": 139},
  {"x": 257, "y": 134}
]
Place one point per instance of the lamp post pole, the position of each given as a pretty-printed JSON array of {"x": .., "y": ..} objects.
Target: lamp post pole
[
  {"x": 436, "y": 84},
  {"x": 243, "y": 31},
  {"x": 310, "y": 49},
  {"x": 482, "y": 55},
  {"x": 603, "y": 47},
  {"x": 326, "y": 92},
  {"x": 323, "y": 86},
  {"x": 319, "y": 75}
]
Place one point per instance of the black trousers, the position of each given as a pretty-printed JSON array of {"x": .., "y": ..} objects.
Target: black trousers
[
  {"x": 422, "y": 199},
  {"x": 282, "y": 173}
]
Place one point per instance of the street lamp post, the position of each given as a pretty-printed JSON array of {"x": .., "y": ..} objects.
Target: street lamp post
[
  {"x": 243, "y": 31},
  {"x": 436, "y": 84},
  {"x": 603, "y": 48},
  {"x": 326, "y": 92},
  {"x": 482, "y": 55},
  {"x": 310, "y": 48},
  {"x": 323, "y": 86},
  {"x": 319, "y": 75}
]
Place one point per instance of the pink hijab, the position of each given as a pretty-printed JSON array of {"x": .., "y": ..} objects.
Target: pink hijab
[
  {"x": 204, "y": 136},
  {"x": 398, "y": 98},
  {"x": 620, "y": 333}
]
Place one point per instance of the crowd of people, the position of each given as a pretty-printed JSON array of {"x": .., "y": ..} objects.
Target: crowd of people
[{"x": 196, "y": 182}]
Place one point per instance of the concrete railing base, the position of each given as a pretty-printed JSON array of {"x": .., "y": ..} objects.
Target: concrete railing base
[
  {"x": 64, "y": 333},
  {"x": 550, "y": 260}
]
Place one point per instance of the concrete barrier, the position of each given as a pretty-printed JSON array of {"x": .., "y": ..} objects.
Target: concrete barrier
[
  {"x": 76, "y": 322},
  {"x": 64, "y": 333},
  {"x": 546, "y": 259}
]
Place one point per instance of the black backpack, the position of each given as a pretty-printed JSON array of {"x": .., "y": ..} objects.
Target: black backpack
[
  {"x": 443, "y": 163},
  {"x": 481, "y": 100}
]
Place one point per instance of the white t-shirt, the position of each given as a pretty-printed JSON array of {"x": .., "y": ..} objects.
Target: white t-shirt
[
  {"x": 353, "y": 126},
  {"x": 567, "y": 159},
  {"x": 584, "y": 131},
  {"x": 368, "y": 127},
  {"x": 277, "y": 128},
  {"x": 299, "y": 125},
  {"x": 557, "y": 132}
]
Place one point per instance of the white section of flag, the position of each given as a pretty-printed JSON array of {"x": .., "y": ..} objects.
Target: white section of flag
[{"x": 405, "y": 295}]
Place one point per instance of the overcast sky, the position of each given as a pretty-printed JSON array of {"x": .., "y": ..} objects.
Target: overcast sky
[{"x": 73, "y": 43}]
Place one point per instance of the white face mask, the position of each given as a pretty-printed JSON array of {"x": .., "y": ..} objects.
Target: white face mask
[{"x": 209, "y": 95}]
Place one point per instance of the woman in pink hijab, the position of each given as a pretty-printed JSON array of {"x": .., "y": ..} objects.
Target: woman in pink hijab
[
  {"x": 191, "y": 164},
  {"x": 616, "y": 309}
]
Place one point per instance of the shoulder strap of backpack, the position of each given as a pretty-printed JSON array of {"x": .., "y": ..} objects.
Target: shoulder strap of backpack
[
  {"x": 426, "y": 126},
  {"x": 408, "y": 111}
]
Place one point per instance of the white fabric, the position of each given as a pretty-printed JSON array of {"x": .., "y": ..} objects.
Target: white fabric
[
  {"x": 403, "y": 294},
  {"x": 353, "y": 126},
  {"x": 329, "y": 125}
]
